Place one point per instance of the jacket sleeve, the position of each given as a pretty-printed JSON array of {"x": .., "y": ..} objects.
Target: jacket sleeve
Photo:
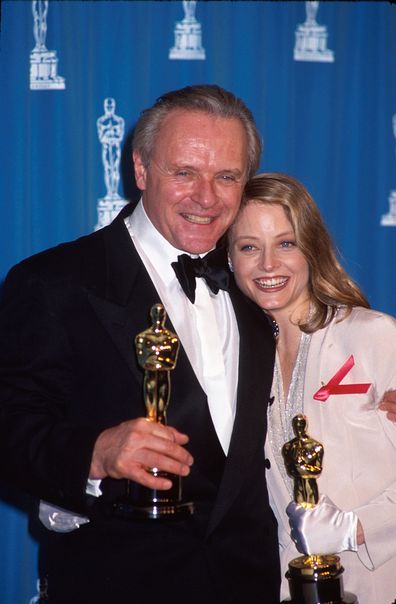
[
  {"x": 42, "y": 450},
  {"x": 378, "y": 516}
]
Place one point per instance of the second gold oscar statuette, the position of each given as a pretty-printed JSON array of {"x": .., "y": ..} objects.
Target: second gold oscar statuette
[{"x": 314, "y": 579}]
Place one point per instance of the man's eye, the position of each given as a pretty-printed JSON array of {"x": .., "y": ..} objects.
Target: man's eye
[
  {"x": 182, "y": 173},
  {"x": 227, "y": 177}
]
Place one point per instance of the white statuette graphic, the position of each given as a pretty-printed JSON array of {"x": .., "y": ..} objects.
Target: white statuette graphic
[
  {"x": 311, "y": 38},
  {"x": 43, "y": 62},
  {"x": 42, "y": 593},
  {"x": 188, "y": 35},
  {"x": 389, "y": 219},
  {"x": 111, "y": 129}
]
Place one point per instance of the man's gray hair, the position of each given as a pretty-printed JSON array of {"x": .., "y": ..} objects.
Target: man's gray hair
[{"x": 210, "y": 99}]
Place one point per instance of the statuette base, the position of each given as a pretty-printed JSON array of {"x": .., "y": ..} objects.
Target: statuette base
[
  {"x": 317, "y": 580},
  {"x": 153, "y": 512},
  {"x": 151, "y": 504}
]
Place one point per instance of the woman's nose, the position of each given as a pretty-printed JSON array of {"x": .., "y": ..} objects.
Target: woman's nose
[{"x": 268, "y": 260}]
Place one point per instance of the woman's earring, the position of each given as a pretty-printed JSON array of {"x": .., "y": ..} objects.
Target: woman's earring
[{"x": 230, "y": 263}]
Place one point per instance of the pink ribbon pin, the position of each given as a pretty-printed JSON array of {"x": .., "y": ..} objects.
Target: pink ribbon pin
[{"x": 333, "y": 386}]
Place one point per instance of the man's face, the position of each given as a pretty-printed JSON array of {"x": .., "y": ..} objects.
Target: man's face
[{"x": 193, "y": 184}]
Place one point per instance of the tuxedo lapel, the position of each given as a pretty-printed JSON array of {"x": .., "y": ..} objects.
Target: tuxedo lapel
[
  {"x": 122, "y": 303},
  {"x": 126, "y": 293},
  {"x": 256, "y": 358},
  {"x": 123, "y": 323}
]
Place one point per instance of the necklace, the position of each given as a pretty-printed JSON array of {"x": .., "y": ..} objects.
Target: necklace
[{"x": 284, "y": 408}]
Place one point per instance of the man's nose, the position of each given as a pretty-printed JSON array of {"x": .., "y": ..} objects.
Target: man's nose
[{"x": 204, "y": 193}]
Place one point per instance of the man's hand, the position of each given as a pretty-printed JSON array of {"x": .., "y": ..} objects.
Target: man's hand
[
  {"x": 127, "y": 450},
  {"x": 388, "y": 404}
]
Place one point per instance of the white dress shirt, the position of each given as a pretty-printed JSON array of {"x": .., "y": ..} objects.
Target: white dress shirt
[{"x": 207, "y": 329}]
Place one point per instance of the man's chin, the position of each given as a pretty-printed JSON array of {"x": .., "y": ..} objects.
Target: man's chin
[
  {"x": 198, "y": 245},
  {"x": 199, "y": 248}
]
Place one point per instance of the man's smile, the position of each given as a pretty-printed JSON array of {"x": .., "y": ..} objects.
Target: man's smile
[{"x": 198, "y": 219}]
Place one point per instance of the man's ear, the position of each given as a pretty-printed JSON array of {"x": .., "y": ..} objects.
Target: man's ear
[{"x": 140, "y": 171}]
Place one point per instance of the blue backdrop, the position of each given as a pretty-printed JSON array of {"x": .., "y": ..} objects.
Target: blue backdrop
[{"x": 319, "y": 77}]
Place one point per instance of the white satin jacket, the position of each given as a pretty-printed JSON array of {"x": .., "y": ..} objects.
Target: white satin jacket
[{"x": 359, "y": 466}]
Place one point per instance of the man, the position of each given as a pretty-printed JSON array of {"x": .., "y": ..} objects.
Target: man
[{"x": 72, "y": 430}]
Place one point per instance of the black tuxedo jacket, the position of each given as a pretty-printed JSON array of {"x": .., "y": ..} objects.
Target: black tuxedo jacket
[{"x": 68, "y": 370}]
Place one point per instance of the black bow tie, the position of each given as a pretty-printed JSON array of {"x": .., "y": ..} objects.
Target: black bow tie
[{"x": 212, "y": 267}]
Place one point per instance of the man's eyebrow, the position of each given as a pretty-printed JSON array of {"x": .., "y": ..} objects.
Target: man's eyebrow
[
  {"x": 181, "y": 166},
  {"x": 234, "y": 171}
]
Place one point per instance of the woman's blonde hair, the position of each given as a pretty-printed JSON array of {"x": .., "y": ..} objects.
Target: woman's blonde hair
[{"x": 330, "y": 286}]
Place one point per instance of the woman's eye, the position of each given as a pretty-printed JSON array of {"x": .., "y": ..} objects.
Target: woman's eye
[
  {"x": 288, "y": 244},
  {"x": 247, "y": 248}
]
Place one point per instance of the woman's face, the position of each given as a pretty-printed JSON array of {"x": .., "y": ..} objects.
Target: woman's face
[{"x": 269, "y": 267}]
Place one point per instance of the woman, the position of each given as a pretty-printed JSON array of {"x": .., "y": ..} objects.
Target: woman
[{"x": 335, "y": 360}]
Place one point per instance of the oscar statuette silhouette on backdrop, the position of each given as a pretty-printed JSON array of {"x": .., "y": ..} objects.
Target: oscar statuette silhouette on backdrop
[
  {"x": 157, "y": 350},
  {"x": 315, "y": 578}
]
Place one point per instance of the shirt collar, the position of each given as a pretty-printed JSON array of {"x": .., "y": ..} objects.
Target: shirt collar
[{"x": 154, "y": 246}]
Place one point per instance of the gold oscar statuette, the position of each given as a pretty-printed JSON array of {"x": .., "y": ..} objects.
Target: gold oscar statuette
[
  {"x": 313, "y": 579},
  {"x": 157, "y": 349}
]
